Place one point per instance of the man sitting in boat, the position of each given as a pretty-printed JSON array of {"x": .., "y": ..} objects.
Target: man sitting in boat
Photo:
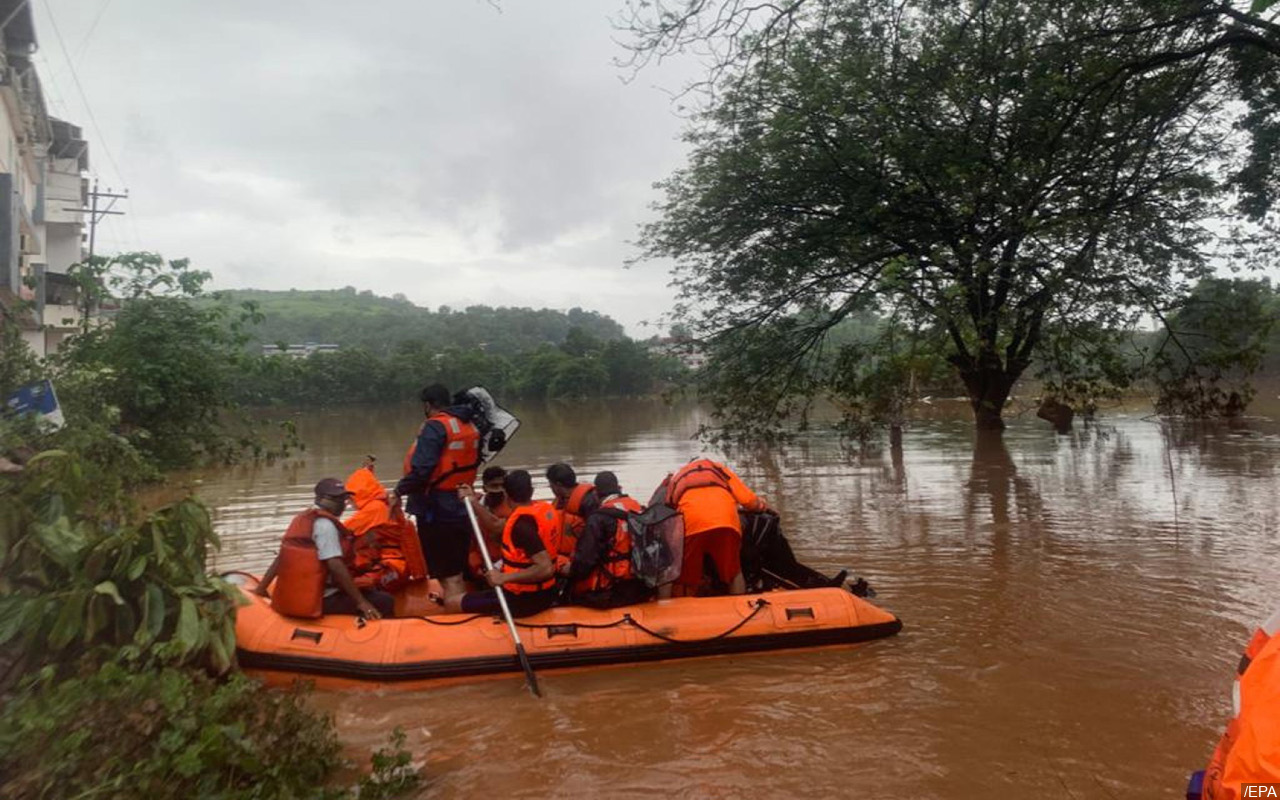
[
  {"x": 600, "y": 572},
  {"x": 492, "y": 509},
  {"x": 708, "y": 495},
  {"x": 574, "y": 502},
  {"x": 528, "y": 573},
  {"x": 312, "y": 571}
]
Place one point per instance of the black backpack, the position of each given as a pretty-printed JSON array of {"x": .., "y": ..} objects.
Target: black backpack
[{"x": 657, "y": 541}]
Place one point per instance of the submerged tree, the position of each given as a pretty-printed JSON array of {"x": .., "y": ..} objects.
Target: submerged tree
[
  {"x": 1211, "y": 347},
  {"x": 999, "y": 170}
]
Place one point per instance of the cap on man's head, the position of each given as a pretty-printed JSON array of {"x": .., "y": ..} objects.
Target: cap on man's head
[
  {"x": 607, "y": 483},
  {"x": 331, "y": 487}
]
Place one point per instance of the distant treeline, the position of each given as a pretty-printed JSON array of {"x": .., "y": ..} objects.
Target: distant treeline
[
  {"x": 379, "y": 325},
  {"x": 582, "y": 366}
]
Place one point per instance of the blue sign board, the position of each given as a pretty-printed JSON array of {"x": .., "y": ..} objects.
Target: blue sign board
[{"x": 38, "y": 399}]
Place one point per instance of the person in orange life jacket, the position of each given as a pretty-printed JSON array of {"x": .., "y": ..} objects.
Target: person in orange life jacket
[
  {"x": 527, "y": 576},
  {"x": 600, "y": 571},
  {"x": 575, "y": 501},
  {"x": 444, "y": 457},
  {"x": 387, "y": 553},
  {"x": 340, "y": 593},
  {"x": 708, "y": 494}
]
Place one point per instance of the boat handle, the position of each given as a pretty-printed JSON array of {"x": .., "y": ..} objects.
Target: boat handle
[
  {"x": 792, "y": 613},
  {"x": 299, "y": 633},
  {"x": 562, "y": 630}
]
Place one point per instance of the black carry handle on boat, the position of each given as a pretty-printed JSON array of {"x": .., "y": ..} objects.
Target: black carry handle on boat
[{"x": 530, "y": 678}]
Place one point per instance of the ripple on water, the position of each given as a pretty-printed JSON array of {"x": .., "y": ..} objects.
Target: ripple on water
[{"x": 1073, "y": 607}]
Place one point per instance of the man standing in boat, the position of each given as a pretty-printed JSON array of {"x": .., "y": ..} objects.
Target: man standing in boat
[
  {"x": 444, "y": 457},
  {"x": 708, "y": 494}
]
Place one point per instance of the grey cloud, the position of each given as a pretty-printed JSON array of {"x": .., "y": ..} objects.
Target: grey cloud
[{"x": 262, "y": 138}]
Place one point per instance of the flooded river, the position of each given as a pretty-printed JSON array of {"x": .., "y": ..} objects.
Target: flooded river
[{"x": 1074, "y": 607}]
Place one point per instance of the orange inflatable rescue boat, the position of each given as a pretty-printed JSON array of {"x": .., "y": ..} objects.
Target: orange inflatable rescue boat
[{"x": 410, "y": 652}]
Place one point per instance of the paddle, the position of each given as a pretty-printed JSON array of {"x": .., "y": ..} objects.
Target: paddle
[{"x": 530, "y": 678}]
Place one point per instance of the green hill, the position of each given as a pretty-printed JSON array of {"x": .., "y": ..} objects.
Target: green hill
[{"x": 361, "y": 319}]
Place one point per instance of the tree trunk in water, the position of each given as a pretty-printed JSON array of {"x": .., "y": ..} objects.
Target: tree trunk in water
[{"x": 988, "y": 388}]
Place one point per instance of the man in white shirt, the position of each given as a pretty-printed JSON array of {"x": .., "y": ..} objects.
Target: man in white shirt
[{"x": 321, "y": 528}]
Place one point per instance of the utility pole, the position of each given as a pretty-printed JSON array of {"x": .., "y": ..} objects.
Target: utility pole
[{"x": 96, "y": 214}]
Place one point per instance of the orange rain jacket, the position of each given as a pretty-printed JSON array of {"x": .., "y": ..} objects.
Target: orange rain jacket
[
  {"x": 1249, "y": 751},
  {"x": 388, "y": 554},
  {"x": 707, "y": 494}
]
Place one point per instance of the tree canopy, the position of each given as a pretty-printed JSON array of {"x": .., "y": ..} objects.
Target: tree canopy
[
  {"x": 1004, "y": 173},
  {"x": 379, "y": 324}
]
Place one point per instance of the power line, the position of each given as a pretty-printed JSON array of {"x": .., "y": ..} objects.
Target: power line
[
  {"x": 83, "y": 98},
  {"x": 80, "y": 48}
]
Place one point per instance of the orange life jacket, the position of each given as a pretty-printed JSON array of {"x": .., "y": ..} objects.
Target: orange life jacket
[
  {"x": 1249, "y": 750},
  {"x": 300, "y": 577},
  {"x": 515, "y": 558},
  {"x": 616, "y": 564},
  {"x": 572, "y": 521},
  {"x": 460, "y": 457},
  {"x": 695, "y": 475},
  {"x": 387, "y": 553}
]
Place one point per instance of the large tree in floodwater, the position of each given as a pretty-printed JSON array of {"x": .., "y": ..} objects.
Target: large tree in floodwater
[{"x": 1002, "y": 173}]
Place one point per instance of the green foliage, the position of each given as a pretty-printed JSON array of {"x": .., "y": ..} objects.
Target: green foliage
[
  {"x": 393, "y": 774},
  {"x": 998, "y": 171},
  {"x": 1212, "y": 345},
  {"x": 162, "y": 733},
  {"x": 380, "y": 325},
  {"x": 79, "y": 577},
  {"x": 162, "y": 373},
  {"x": 584, "y": 367},
  {"x": 1084, "y": 364},
  {"x": 877, "y": 382},
  {"x": 18, "y": 365}
]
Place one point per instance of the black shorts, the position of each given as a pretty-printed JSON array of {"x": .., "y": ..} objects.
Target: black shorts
[
  {"x": 445, "y": 546},
  {"x": 522, "y": 604}
]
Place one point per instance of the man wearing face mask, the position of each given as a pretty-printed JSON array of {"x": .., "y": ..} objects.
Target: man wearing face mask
[{"x": 492, "y": 509}]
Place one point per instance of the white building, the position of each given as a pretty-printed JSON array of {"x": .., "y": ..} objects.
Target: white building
[{"x": 42, "y": 186}]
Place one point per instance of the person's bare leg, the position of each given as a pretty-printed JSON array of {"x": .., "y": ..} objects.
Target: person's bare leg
[
  {"x": 454, "y": 588},
  {"x": 664, "y": 591},
  {"x": 738, "y": 585}
]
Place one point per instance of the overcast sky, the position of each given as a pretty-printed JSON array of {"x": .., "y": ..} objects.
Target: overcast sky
[{"x": 438, "y": 148}]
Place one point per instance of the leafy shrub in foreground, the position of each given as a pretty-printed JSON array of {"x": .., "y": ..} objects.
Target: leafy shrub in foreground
[
  {"x": 79, "y": 577},
  {"x": 162, "y": 733}
]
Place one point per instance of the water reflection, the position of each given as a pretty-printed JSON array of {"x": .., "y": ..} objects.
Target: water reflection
[{"x": 1073, "y": 607}]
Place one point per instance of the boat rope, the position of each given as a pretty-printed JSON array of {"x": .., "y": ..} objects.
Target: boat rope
[
  {"x": 758, "y": 606},
  {"x": 626, "y": 619},
  {"x": 442, "y": 622}
]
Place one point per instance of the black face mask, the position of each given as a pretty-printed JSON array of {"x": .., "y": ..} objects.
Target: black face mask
[{"x": 494, "y": 498}]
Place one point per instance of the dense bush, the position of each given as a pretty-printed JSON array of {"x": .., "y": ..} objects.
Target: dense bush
[
  {"x": 113, "y": 732},
  {"x": 81, "y": 575}
]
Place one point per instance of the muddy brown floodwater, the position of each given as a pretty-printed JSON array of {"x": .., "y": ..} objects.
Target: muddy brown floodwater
[{"x": 1074, "y": 607}]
